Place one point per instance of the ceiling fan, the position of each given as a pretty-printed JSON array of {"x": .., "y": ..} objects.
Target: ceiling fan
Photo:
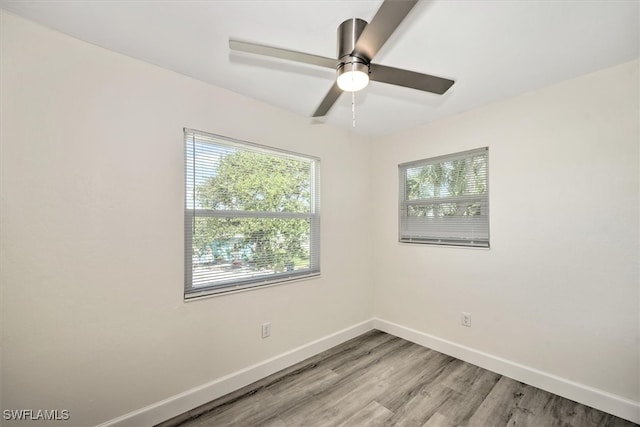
[{"x": 358, "y": 43}]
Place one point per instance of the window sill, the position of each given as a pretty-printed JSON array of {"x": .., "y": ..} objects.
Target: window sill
[{"x": 195, "y": 296}]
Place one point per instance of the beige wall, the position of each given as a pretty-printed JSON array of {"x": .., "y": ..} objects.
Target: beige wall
[
  {"x": 92, "y": 232},
  {"x": 91, "y": 155},
  {"x": 558, "y": 290}
]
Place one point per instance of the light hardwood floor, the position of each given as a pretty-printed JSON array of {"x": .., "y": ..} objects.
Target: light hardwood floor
[{"x": 381, "y": 380}]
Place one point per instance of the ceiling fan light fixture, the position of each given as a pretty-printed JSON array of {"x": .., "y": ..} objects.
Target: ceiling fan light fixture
[{"x": 353, "y": 76}]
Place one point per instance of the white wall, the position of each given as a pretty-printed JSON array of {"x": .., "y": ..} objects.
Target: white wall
[
  {"x": 91, "y": 153},
  {"x": 559, "y": 289},
  {"x": 93, "y": 318}
]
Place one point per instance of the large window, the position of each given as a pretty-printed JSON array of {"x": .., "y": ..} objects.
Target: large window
[
  {"x": 251, "y": 215},
  {"x": 445, "y": 200}
]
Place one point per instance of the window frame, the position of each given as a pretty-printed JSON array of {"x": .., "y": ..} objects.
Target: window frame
[
  {"x": 191, "y": 292},
  {"x": 403, "y": 233}
]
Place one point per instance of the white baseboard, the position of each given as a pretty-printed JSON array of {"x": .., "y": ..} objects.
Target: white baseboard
[
  {"x": 190, "y": 399},
  {"x": 581, "y": 393},
  {"x": 183, "y": 402}
]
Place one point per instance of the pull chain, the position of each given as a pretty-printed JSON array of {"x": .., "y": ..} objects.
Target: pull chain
[{"x": 353, "y": 108}]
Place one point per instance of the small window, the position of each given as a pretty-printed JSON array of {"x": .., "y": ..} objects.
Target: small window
[
  {"x": 445, "y": 200},
  {"x": 252, "y": 215}
]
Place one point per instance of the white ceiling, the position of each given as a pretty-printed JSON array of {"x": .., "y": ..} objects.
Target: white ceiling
[{"x": 492, "y": 49}]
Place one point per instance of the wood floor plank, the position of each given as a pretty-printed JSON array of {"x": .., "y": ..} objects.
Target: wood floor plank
[
  {"x": 273, "y": 422},
  {"x": 242, "y": 412},
  {"x": 497, "y": 408},
  {"x": 363, "y": 380},
  {"x": 422, "y": 372},
  {"x": 439, "y": 420},
  {"x": 378, "y": 379},
  {"x": 372, "y": 415},
  {"x": 447, "y": 397},
  {"x": 466, "y": 402},
  {"x": 306, "y": 385},
  {"x": 349, "y": 352},
  {"x": 367, "y": 380},
  {"x": 422, "y": 405}
]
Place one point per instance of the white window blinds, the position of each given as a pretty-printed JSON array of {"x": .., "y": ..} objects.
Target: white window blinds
[
  {"x": 445, "y": 200},
  {"x": 251, "y": 215}
]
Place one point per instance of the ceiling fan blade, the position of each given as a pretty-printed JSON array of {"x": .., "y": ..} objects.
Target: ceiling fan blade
[
  {"x": 383, "y": 24},
  {"x": 411, "y": 79},
  {"x": 328, "y": 101},
  {"x": 277, "y": 52}
]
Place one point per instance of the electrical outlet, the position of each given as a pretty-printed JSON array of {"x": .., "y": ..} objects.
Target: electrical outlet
[
  {"x": 266, "y": 330},
  {"x": 465, "y": 319}
]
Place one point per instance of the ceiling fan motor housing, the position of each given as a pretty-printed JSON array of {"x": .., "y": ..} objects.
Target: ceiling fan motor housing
[{"x": 348, "y": 33}]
